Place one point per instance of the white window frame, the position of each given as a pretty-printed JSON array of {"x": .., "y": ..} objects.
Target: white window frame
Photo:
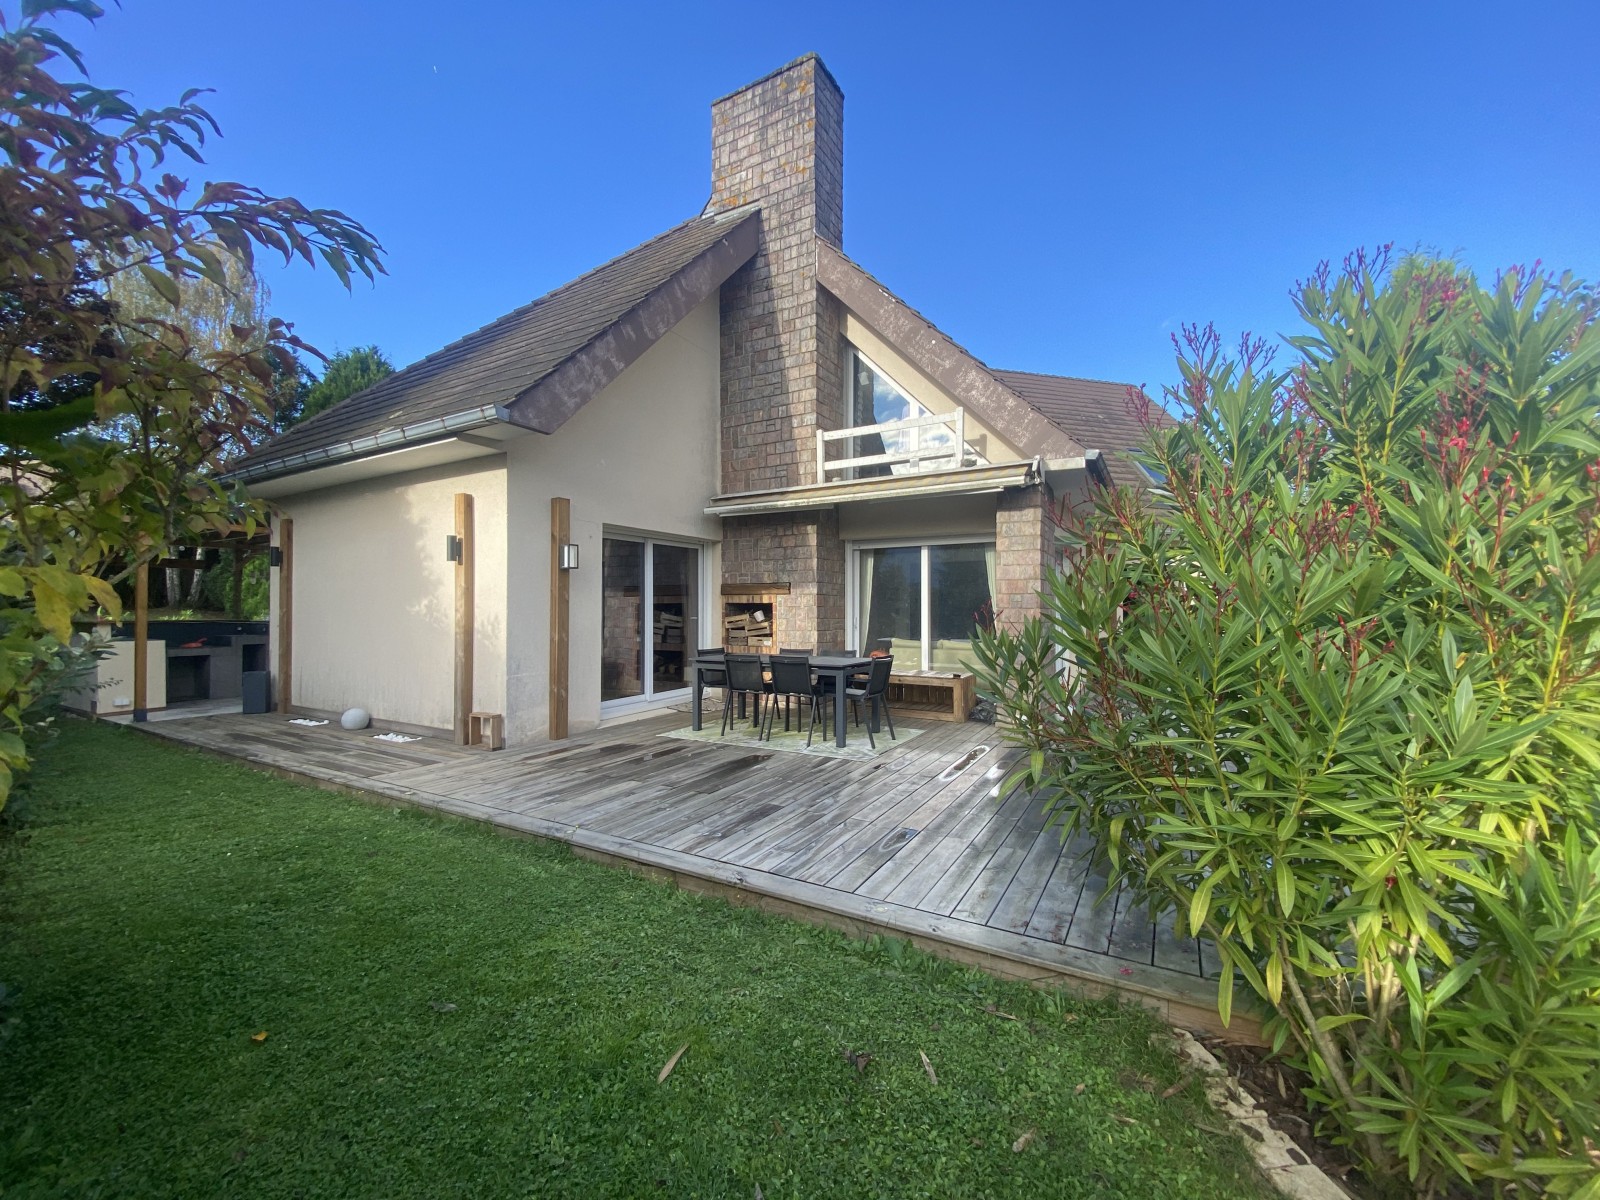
[
  {"x": 963, "y": 451},
  {"x": 651, "y": 698},
  {"x": 852, "y": 580}
]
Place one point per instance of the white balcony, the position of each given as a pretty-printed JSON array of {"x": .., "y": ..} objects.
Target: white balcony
[{"x": 934, "y": 442}]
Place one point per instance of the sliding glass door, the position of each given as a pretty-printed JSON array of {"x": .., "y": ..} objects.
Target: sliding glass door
[
  {"x": 924, "y": 600},
  {"x": 650, "y": 618}
]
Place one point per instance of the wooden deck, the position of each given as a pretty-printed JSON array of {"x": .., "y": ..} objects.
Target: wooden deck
[{"x": 919, "y": 842}]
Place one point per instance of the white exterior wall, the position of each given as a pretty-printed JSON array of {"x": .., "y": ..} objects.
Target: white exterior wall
[
  {"x": 374, "y": 595},
  {"x": 640, "y": 456}
]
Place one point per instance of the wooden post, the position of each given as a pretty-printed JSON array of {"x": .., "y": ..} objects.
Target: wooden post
[
  {"x": 141, "y": 642},
  {"x": 464, "y": 618},
  {"x": 285, "y": 612},
  {"x": 560, "y": 615}
]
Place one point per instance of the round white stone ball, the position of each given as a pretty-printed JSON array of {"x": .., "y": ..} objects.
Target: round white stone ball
[{"x": 356, "y": 718}]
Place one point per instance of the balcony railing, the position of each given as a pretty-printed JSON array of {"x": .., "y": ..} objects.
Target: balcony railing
[{"x": 927, "y": 443}]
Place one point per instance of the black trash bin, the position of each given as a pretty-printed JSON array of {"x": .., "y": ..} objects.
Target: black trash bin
[{"x": 254, "y": 691}]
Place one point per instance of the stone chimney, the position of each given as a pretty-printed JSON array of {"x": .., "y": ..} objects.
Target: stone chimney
[{"x": 779, "y": 143}]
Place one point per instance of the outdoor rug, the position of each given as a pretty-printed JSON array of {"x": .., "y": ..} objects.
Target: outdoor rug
[{"x": 743, "y": 737}]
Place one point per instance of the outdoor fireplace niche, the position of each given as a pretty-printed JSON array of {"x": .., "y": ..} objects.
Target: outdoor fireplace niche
[{"x": 750, "y": 617}]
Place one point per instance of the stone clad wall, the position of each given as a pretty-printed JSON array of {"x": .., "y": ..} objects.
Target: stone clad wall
[
  {"x": 803, "y": 550},
  {"x": 1025, "y": 528},
  {"x": 779, "y": 143}
]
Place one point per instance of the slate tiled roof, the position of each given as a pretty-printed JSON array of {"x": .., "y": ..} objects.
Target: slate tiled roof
[
  {"x": 1094, "y": 411},
  {"x": 499, "y": 362},
  {"x": 979, "y": 387}
]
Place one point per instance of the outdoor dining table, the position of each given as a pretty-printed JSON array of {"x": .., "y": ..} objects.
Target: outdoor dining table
[{"x": 839, "y": 668}]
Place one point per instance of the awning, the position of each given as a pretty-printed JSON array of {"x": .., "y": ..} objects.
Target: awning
[{"x": 961, "y": 481}]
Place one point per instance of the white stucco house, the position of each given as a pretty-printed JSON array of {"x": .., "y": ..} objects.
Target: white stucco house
[{"x": 741, "y": 433}]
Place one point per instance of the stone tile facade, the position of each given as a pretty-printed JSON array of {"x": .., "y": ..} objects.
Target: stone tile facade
[
  {"x": 802, "y": 550},
  {"x": 1025, "y": 540},
  {"x": 779, "y": 143}
]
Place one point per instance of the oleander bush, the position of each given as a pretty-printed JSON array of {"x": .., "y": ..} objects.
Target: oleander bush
[{"x": 1331, "y": 700}]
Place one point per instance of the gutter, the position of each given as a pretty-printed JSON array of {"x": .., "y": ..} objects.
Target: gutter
[
  {"x": 1091, "y": 461},
  {"x": 390, "y": 439}
]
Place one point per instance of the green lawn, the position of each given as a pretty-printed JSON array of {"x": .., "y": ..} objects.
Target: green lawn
[{"x": 450, "y": 1012}]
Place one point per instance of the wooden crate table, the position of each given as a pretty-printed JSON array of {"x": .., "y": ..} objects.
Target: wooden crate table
[
  {"x": 932, "y": 695},
  {"x": 486, "y": 731}
]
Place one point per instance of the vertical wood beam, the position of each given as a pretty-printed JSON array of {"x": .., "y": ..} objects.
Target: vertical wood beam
[
  {"x": 465, "y": 619},
  {"x": 560, "y": 616},
  {"x": 285, "y": 679},
  {"x": 141, "y": 642}
]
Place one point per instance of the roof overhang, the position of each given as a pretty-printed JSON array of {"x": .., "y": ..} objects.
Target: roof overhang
[
  {"x": 1059, "y": 473},
  {"x": 963, "y": 481},
  {"x": 927, "y": 348},
  {"x": 440, "y": 452},
  {"x": 547, "y": 405},
  {"x": 432, "y": 430}
]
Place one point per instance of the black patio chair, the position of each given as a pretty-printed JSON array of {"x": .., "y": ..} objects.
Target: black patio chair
[
  {"x": 792, "y": 651},
  {"x": 791, "y": 680},
  {"x": 713, "y": 678},
  {"x": 875, "y": 692},
  {"x": 744, "y": 677}
]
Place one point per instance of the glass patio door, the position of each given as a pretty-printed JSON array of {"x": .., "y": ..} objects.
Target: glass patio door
[
  {"x": 924, "y": 601},
  {"x": 650, "y": 619}
]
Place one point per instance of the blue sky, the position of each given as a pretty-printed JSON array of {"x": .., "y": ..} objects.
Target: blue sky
[{"x": 1058, "y": 186}]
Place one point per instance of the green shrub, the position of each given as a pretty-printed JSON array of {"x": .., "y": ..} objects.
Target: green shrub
[
  {"x": 1333, "y": 704},
  {"x": 216, "y": 588}
]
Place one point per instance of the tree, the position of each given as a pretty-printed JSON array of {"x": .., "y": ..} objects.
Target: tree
[
  {"x": 209, "y": 309},
  {"x": 1335, "y": 703},
  {"x": 348, "y": 372},
  {"x": 87, "y": 198},
  {"x": 206, "y": 316}
]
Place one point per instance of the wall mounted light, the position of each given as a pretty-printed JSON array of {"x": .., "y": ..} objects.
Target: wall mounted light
[
  {"x": 569, "y": 556},
  {"x": 452, "y": 548},
  {"x": 275, "y": 556}
]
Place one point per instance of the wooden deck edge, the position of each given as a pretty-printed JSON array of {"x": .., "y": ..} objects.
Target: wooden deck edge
[{"x": 1182, "y": 1001}]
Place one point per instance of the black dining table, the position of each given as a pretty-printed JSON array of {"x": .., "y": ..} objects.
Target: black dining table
[{"x": 839, "y": 668}]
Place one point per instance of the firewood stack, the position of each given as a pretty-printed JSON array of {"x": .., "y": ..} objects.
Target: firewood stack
[{"x": 747, "y": 628}]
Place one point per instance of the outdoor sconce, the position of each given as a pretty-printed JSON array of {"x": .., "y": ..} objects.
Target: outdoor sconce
[
  {"x": 275, "y": 556},
  {"x": 452, "y": 548},
  {"x": 569, "y": 556}
]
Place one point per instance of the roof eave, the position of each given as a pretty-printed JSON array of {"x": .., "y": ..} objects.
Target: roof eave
[
  {"x": 389, "y": 439},
  {"x": 548, "y": 404},
  {"x": 940, "y": 358}
]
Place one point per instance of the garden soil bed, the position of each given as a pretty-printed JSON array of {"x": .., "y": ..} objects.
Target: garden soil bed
[{"x": 1279, "y": 1090}]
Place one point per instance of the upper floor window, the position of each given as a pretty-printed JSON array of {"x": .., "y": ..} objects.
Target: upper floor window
[{"x": 875, "y": 399}]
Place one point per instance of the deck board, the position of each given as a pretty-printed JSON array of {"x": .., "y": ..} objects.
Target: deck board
[{"x": 912, "y": 831}]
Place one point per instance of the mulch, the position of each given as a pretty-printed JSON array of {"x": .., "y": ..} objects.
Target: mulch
[{"x": 1279, "y": 1090}]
